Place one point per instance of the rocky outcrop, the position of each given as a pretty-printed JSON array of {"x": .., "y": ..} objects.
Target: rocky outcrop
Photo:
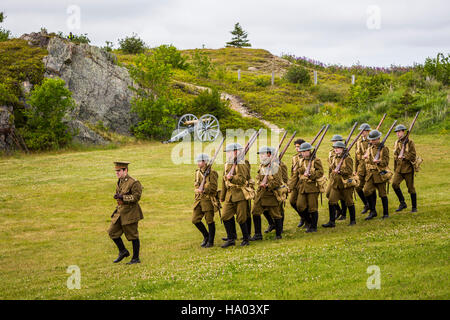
[
  {"x": 6, "y": 128},
  {"x": 99, "y": 86}
]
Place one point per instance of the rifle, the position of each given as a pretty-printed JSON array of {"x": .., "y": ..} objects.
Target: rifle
[
  {"x": 381, "y": 121},
  {"x": 381, "y": 145},
  {"x": 317, "y": 135},
  {"x": 351, "y": 133},
  {"x": 347, "y": 152},
  {"x": 209, "y": 166},
  {"x": 286, "y": 146},
  {"x": 246, "y": 149},
  {"x": 314, "y": 153},
  {"x": 406, "y": 138}
]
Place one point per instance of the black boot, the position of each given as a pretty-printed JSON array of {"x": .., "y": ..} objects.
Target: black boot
[
  {"x": 413, "y": 202},
  {"x": 269, "y": 221},
  {"x": 314, "y": 219},
  {"x": 136, "y": 245},
  {"x": 338, "y": 211},
  {"x": 401, "y": 198},
  {"x": 211, "y": 235},
  {"x": 384, "y": 201},
  {"x": 257, "y": 224},
  {"x": 249, "y": 225},
  {"x": 364, "y": 201},
  {"x": 233, "y": 230},
  {"x": 278, "y": 228},
  {"x": 282, "y": 220},
  {"x": 123, "y": 252},
  {"x": 351, "y": 211},
  {"x": 200, "y": 226},
  {"x": 343, "y": 211},
  {"x": 230, "y": 236},
  {"x": 304, "y": 219},
  {"x": 372, "y": 199},
  {"x": 332, "y": 212},
  {"x": 245, "y": 235}
]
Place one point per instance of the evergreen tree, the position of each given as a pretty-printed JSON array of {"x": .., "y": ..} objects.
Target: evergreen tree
[{"x": 239, "y": 38}]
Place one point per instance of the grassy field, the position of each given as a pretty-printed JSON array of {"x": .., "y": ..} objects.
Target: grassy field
[{"x": 55, "y": 209}]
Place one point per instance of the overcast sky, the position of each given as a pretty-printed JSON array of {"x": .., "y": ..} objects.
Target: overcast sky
[{"x": 373, "y": 33}]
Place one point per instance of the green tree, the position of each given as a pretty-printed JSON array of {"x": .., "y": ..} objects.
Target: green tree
[
  {"x": 169, "y": 54},
  {"x": 298, "y": 74},
  {"x": 201, "y": 64},
  {"x": 239, "y": 38},
  {"x": 132, "y": 45},
  {"x": 4, "y": 34},
  {"x": 438, "y": 68},
  {"x": 44, "y": 128}
]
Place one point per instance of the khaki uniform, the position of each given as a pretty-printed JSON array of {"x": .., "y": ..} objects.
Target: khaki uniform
[
  {"x": 205, "y": 204},
  {"x": 361, "y": 148},
  {"x": 128, "y": 212},
  {"x": 374, "y": 181},
  {"x": 308, "y": 191},
  {"x": 337, "y": 189},
  {"x": 403, "y": 168},
  {"x": 233, "y": 194},
  {"x": 266, "y": 198},
  {"x": 330, "y": 159},
  {"x": 292, "y": 182}
]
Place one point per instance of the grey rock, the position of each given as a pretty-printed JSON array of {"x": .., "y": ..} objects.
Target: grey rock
[{"x": 6, "y": 128}]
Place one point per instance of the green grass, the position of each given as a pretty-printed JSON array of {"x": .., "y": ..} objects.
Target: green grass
[{"x": 55, "y": 209}]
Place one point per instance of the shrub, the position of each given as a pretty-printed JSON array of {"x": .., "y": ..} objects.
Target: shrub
[
  {"x": 201, "y": 64},
  {"x": 44, "y": 128},
  {"x": 298, "y": 74},
  {"x": 262, "y": 81},
  {"x": 168, "y": 54},
  {"x": 439, "y": 68},
  {"x": 82, "y": 38},
  {"x": 132, "y": 45}
]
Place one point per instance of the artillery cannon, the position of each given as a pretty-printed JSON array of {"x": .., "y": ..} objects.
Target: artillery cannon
[{"x": 205, "y": 129}]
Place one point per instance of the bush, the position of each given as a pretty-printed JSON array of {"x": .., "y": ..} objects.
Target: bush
[
  {"x": 44, "y": 128},
  {"x": 168, "y": 54},
  {"x": 298, "y": 74},
  {"x": 439, "y": 68},
  {"x": 132, "y": 45},
  {"x": 4, "y": 34},
  {"x": 210, "y": 102},
  {"x": 262, "y": 81},
  {"x": 201, "y": 64},
  {"x": 82, "y": 38}
]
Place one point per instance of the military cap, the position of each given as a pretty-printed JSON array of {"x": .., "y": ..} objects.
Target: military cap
[
  {"x": 365, "y": 127},
  {"x": 337, "y": 137},
  {"x": 305, "y": 146},
  {"x": 374, "y": 134},
  {"x": 202, "y": 157},
  {"x": 266, "y": 149},
  {"x": 338, "y": 144},
  {"x": 121, "y": 164},
  {"x": 233, "y": 146},
  {"x": 400, "y": 127}
]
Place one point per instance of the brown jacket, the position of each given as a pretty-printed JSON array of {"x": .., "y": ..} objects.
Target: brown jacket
[
  {"x": 274, "y": 181},
  {"x": 308, "y": 184},
  {"x": 207, "y": 198},
  {"x": 404, "y": 165},
  {"x": 360, "y": 149},
  {"x": 129, "y": 210},
  {"x": 336, "y": 179},
  {"x": 232, "y": 190},
  {"x": 373, "y": 169}
]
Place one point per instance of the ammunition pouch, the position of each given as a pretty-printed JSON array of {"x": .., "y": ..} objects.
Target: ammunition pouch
[
  {"x": 322, "y": 184},
  {"x": 353, "y": 181},
  {"x": 386, "y": 175},
  {"x": 416, "y": 164}
]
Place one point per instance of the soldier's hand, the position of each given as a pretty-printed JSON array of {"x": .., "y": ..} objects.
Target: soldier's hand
[
  {"x": 336, "y": 171},
  {"x": 118, "y": 196},
  {"x": 354, "y": 173},
  {"x": 198, "y": 191},
  {"x": 376, "y": 161},
  {"x": 262, "y": 185},
  {"x": 400, "y": 157}
]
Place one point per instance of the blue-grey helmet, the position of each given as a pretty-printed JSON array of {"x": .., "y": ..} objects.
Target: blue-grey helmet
[
  {"x": 305, "y": 146},
  {"x": 202, "y": 157},
  {"x": 233, "y": 146},
  {"x": 337, "y": 137},
  {"x": 374, "y": 134},
  {"x": 365, "y": 127},
  {"x": 400, "y": 127},
  {"x": 338, "y": 144},
  {"x": 266, "y": 149}
]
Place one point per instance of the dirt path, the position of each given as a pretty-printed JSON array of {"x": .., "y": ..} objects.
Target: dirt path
[{"x": 237, "y": 104}]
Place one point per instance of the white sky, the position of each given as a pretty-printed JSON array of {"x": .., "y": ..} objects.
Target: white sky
[{"x": 342, "y": 32}]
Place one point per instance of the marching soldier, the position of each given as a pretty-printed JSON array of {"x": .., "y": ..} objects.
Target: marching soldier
[
  {"x": 375, "y": 170},
  {"x": 293, "y": 185},
  {"x": 340, "y": 188},
  {"x": 360, "y": 168},
  {"x": 205, "y": 203},
  {"x": 235, "y": 202},
  {"x": 341, "y": 214},
  {"x": 308, "y": 191},
  {"x": 404, "y": 169},
  {"x": 127, "y": 214},
  {"x": 266, "y": 199}
]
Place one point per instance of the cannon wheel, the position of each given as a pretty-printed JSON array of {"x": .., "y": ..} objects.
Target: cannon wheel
[
  {"x": 207, "y": 128},
  {"x": 187, "y": 121}
]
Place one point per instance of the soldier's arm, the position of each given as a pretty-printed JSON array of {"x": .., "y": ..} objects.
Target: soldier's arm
[
  {"x": 348, "y": 168},
  {"x": 211, "y": 183},
  {"x": 136, "y": 192},
  {"x": 411, "y": 154},
  {"x": 224, "y": 189},
  {"x": 275, "y": 181},
  {"x": 318, "y": 172},
  {"x": 240, "y": 178},
  {"x": 385, "y": 160}
]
